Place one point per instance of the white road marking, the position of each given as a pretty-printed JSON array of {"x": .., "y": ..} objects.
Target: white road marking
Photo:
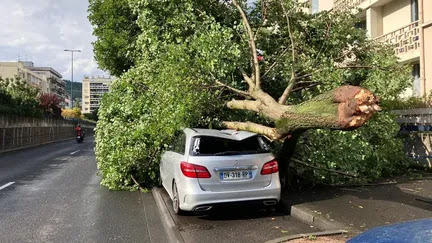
[
  {"x": 6, "y": 185},
  {"x": 74, "y": 152}
]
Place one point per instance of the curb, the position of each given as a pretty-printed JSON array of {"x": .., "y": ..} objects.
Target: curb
[
  {"x": 171, "y": 229},
  {"x": 297, "y": 236},
  {"x": 303, "y": 214},
  {"x": 34, "y": 146}
]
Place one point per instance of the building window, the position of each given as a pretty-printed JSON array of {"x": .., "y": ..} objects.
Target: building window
[
  {"x": 416, "y": 79},
  {"x": 361, "y": 24},
  {"x": 414, "y": 10}
]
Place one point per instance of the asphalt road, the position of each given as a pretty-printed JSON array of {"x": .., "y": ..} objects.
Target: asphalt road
[
  {"x": 51, "y": 193},
  {"x": 237, "y": 224}
]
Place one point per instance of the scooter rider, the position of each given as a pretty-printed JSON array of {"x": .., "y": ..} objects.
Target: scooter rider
[{"x": 78, "y": 130}]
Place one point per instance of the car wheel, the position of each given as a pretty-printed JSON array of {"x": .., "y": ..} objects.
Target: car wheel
[{"x": 176, "y": 201}]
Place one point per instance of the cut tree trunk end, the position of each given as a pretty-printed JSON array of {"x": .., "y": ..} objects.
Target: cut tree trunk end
[{"x": 345, "y": 108}]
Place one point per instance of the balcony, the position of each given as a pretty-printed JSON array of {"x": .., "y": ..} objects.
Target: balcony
[
  {"x": 347, "y": 4},
  {"x": 406, "y": 41}
]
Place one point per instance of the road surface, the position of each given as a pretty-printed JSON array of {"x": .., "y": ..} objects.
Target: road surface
[
  {"x": 51, "y": 193},
  {"x": 237, "y": 224}
]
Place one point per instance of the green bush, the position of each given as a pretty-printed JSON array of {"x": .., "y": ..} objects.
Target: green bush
[
  {"x": 19, "y": 98},
  {"x": 370, "y": 152},
  {"x": 409, "y": 103},
  {"x": 137, "y": 120}
]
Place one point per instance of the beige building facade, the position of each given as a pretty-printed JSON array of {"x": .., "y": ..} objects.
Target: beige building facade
[
  {"x": 405, "y": 24},
  {"x": 21, "y": 70},
  {"x": 93, "y": 88},
  {"x": 46, "y": 79},
  {"x": 54, "y": 83}
]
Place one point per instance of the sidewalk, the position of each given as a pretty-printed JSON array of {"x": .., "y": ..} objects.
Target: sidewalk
[{"x": 358, "y": 209}]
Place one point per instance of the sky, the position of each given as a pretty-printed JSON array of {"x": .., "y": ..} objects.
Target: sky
[{"x": 40, "y": 30}]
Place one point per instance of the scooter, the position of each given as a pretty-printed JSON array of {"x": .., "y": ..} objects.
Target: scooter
[{"x": 80, "y": 138}]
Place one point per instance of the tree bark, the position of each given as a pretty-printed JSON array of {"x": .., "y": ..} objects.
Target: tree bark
[
  {"x": 344, "y": 108},
  {"x": 284, "y": 156}
]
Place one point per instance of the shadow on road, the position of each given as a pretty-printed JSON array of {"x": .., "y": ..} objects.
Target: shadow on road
[
  {"x": 397, "y": 193},
  {"x": 243, "y": 212},
  {"x": 371, "y": 206}
]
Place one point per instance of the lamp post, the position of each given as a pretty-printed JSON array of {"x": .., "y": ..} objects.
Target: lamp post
[{"x": 71, "y": 98}]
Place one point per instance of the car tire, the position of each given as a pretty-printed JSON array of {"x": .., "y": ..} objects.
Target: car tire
[{"x": 176, "y": 201}]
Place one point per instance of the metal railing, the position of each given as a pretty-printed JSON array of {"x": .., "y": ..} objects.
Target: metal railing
[
  {"x": 404, "y": 40},
  {"x": 346, "y": 4}
]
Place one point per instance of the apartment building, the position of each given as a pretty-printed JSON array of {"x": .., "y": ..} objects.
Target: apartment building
[
  {"x": 405, "y": 24},
  {"x": 46, "y": 79},
  {"x": 54, "y": 83},
  {"x": 21, "y": 70},
  {"x": 93, "y": 88}
]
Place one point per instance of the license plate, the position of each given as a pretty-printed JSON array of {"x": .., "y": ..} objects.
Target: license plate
[{"x": 235, "y": 175}]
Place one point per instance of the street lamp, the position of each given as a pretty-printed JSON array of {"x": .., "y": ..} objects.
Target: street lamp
[{"x": 71, "y": 98}]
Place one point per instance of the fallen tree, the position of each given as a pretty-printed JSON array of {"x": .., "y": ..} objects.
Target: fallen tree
[
  {"x": 278, "y": 71},
  {"x": 344, "y": 108}
]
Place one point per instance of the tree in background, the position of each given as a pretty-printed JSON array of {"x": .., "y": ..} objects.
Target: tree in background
[
  {"x": 50, "y": 103},
  {"x": 17, "y": 97},
  {"x": 115, "y": 26},
  {"x": 74, "y": 113},
  {"x": 93, "y": 115},
  {"x": 271, "y": 69}
]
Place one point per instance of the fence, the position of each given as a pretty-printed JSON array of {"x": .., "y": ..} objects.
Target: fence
[
  {"x": 19, "y": 132},
  {"x": 416, "y": 131}
]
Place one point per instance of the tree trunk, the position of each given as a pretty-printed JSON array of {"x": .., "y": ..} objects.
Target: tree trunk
[
  {"x": 344, "y": 108},
  {"x": 284, "y": 156}
]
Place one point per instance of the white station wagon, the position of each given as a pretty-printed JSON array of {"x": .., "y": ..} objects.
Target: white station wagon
[{"x": 204, "y": 168}]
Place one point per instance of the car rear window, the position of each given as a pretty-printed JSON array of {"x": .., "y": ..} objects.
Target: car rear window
[{"x": 214, "y": 146}]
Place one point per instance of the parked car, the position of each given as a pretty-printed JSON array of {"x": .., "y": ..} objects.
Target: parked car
[
  {"x": 417, "y": 231},
  {"x": 204, "y": 168}
]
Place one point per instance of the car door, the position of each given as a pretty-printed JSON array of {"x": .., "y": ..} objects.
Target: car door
[
  {"x": 165, "y": 167},
  {"x": 170, "y": 161}
]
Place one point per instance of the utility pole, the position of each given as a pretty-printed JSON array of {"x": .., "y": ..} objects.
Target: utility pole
[{"x": 71, "y": 98}]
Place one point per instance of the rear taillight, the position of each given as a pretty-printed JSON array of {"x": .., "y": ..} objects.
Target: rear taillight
[
  {"x": 194, "y": 171},
  {"x": 270, "y": 168}
]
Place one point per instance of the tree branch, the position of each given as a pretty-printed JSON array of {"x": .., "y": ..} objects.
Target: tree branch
[
  {"x": 250, "y": 105},
  {"x": 136, "y": 183},
  {"x": 287, "y": 90},
  {"x": 269, "y": 132},
  {"x": 248, "y": 79},
  {"x": 307, "y": 87},
  {"x": 252, "y": 46},
  {"x": 256, "y": 106},
  {"x": 263, "y": 14},
  {"x": 320, "y": 168},
  {"x": 293, "y": 79},
  {"x": 276, "y": 61},
  {"x": 240, "y": 92},
  {"x": 324, "y": 42},
  {"x": 338, "y": 67}
]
